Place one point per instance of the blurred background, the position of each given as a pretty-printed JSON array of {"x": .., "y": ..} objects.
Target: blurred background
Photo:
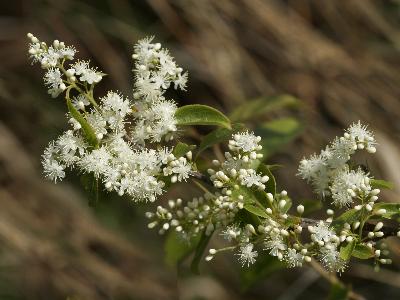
[{"x": 295, "y": 71}]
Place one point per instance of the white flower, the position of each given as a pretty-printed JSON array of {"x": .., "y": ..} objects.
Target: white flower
[
  {"x": 340, "y": 151},
  {"x": 361, "y": 134},
  {"x": 145, "y": 187},
  {"x": 164, "y": 119},
  {"x": 98, "y": 123},
  {"x": 231, "y": 232},
  {"x": 53, "y": 170},
  {"x": 91, "y": 76},
  {"x": 312, "y": 167},
  {"x": 181, "y": 168},
  {"x": 81, "y": 67},
  {"x": 53, "y": 78},
  {"x": 164, "y": 155},
  {"x": 67, "y": 52},
  {"x": 322, "y": 232},
  {"x": 50, "y": 58},
  {"x": 245, "y": 141},
  {"x": 246, "y": 255},
  {"x": 115, "y": 102},
  {"x": 80, "y": 102},
  {"x": 148, "y": 89},
  {"x": 275, "y": 243},
  {"x": 330, "y": 258},
  {"x": 250, "y": 177},
  {"x": 181, "y": 81},
  {"x": 147, "y": 159},
  {"x": 347, "y": 184},
  {"x": 96, "y": 161},
  {"x": 70, "y": 146},
  {"x": 293, "y": 258}
]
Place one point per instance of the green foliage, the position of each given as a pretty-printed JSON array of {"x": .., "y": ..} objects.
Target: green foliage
[
  {"x": 338, "y": 292},
  {"x": 256, "y": 210},
  {"x": 200, "y": 248},
  {"x": 91, "y": 185},
  {"x": 218, "y": 135},
  {"x": 349, "y": 216},
  {"x": 181, "y": 149},
  {"x": 381, "y": 184},
  {"x": 86, "y": 128},
  {"x": 277, "y": 133},
  {"x": 176, "y": 248},
  {"x": 362, "y": 251},
  {"x": 198, "y": 114},
  {"x": 392, "y": 209},
  {"x": 346, "y": 251},
  {"x": 260, "y": 106}
]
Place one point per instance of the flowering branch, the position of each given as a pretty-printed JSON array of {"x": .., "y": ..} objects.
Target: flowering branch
[{"x": 128, "y": 146}]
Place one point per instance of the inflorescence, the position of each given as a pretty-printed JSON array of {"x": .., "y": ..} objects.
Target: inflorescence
[
  {"x": 121, "y": 159},
  {"x": 122, "y": 143}
]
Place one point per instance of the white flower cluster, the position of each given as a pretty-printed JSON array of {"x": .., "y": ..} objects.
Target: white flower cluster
[
  {"x": 215, "y": 210},
  {"x": 155, "y": 70},
  {"x": 123, "y": 164},
  {"x": 329, "y": 172},
  {"x": 327, "y": 240},
  {"x": 52, "y": 59}
]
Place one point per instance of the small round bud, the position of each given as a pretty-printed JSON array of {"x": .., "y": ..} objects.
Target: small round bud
[
  {"x": 209, "y": 257},
  {"x": 375, "y": 192},
  {"x": 300, "y": 209},
  {"x": 381, "y": 211},
  {"x": 378, "y": 226},
  {"x": 212, "y": 251},
  {"x": 282, "y": 204}
]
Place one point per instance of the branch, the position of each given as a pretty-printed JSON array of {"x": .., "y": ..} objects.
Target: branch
[{"x": 387, "y": 230}]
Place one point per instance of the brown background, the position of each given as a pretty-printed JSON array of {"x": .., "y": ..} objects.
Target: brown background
[{"x": 341, "y": 58}]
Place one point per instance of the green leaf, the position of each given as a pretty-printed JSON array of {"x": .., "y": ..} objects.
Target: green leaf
[
  {"x": 201, "y": 246},
  {"x": 255, "y": 210},
  {"x": 198, "y": 114},
  {"x": 247, "y": 193},
  {"x": 176, "y": 248},
  {"x": 349, "y": 216},
  {"x": 392, "y": 209},
  {"x": 181, "y": 149},
  {"x": 276, "y": 134},
  {"x": 346, "y": 251},
  {"x": 218, "y": 135},
  {"x": 244, "y": 217},
  {"x": 362, "y": 251},
  {"x": 270, "y": 186},
  {"x": 91, "y": 185},
  {"x": 260, "y": 106},
  {"x": 338, "y": 292},
  {"x": 86, "y": 128},
  {"x": 381, "y": 184},
  {"x": 265, "y": 266},
  {"x": 292, "y": 220}
]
